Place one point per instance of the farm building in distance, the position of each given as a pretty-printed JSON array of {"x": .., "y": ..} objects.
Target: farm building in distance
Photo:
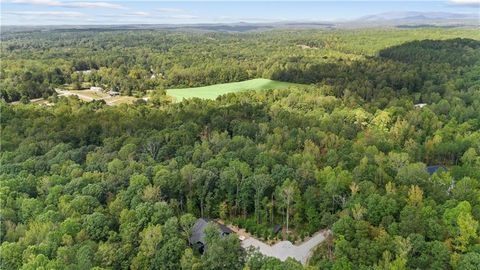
[
  {"x": 420, "y": 105},
  {"x": 113, "y": 93},
  {"x": 84, "y": 71},
  {"x": 96, "y": 88}
]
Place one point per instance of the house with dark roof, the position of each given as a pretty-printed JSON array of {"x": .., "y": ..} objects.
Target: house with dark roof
[
  {"x": 197, "y": 238},
  {"x": 436, "y": 168}
]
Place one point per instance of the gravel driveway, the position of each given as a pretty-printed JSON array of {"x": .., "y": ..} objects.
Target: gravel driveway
[{"x": 285, "y": 249}]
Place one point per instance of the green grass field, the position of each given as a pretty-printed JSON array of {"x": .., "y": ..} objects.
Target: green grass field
[{"x": 213, "y": 91}]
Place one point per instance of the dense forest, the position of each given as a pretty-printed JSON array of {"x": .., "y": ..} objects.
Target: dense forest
[
  {"x": 90, "y": 186},
  {"x": 132, "y": 62}
]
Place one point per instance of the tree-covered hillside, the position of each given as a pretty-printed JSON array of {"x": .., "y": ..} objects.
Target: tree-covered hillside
[
  {"x": 132, "y": 62},
  {"x": 91, "y": 186}
]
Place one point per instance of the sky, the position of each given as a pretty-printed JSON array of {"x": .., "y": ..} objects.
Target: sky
[{"x": 111, "y": 12}]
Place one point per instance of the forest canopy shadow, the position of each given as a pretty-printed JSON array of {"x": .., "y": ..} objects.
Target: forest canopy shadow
[{"x": 401, "y": 69}]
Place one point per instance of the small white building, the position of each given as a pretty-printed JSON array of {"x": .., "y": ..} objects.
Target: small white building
[
  {"x": 96, "y": 88},
  {"x": 84, "y": 71},
  {"x": 420, "y": 105},
  {"x": 113, "y": 93}
]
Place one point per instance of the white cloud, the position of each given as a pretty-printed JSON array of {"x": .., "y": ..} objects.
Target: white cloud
[
  {"x": 140, "y": 13},
  {"x": 54, "y": 3},
  {"x": 466, "y": 2},
  {"x": 94, "y": 5},
  {"x": 38, "y": 2},
  {"x": 169, "y": 10},
  {"x": 70, "y": 14},
  {"x": 184, "y": 17}
]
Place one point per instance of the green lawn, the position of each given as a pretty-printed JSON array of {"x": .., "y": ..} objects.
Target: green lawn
[{"x": 213, "y": 91}]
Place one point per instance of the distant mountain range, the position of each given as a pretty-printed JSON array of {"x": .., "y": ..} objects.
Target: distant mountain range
[
  {"x": 415, "y": 19},
  {"x": 418, "y": 16},
  {"x": 390, "y": 19}
]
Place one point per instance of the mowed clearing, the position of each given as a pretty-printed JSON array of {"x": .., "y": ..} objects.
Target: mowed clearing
[
  {"x": 213, "y": 91},
  {"x": 90, "y": 95}
]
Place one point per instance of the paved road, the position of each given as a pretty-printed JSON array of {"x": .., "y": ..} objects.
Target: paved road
[
  {"x": 68, "y": 93},
  {"x": 61, "y": 93},
  {"x": 84, "y": 97},
  {"x": 285, "y": 249},
  {"x": 31, "y": 100}
]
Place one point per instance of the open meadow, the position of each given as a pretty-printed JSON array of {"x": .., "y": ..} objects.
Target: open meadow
[{"x": 213, "y": 91}]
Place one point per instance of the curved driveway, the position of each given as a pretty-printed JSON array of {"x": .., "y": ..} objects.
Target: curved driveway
[{"x": 285, "y": 249}]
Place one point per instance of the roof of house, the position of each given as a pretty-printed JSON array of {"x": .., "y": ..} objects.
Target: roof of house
[
  {"x": 198, "y": 229},
  {"x": 434, "y": 168}
]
